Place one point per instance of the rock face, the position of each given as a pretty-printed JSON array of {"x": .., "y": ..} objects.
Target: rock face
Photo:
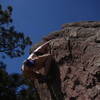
[{"x": 76, "y": 71}]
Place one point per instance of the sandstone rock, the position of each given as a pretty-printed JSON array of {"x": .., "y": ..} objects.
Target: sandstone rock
[{"x": 76, "y": 50}]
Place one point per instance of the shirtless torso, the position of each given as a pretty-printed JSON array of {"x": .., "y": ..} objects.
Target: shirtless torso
[{"x": 39, "y": 59}]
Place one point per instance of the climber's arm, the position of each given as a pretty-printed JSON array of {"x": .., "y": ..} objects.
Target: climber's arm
[
  {"x": 42, "y": 48},
  {"x": 32, "y": 55},
  {"x": 42, "y": 58}
]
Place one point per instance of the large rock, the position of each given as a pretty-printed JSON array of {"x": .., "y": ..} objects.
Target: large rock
[{"x": 76, "y": 73}]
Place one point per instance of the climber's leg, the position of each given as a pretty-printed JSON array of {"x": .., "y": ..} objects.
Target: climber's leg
[
  {"x": 42, "y": 78},
  {"x": 48, "y": 64},
  {"x": 45, "y": 78}
]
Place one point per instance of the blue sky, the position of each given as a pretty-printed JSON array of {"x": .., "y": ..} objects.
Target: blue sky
[{"x": 37, "y": 18}]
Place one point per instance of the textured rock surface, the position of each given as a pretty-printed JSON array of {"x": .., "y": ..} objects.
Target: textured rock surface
[{"x": 76, "y": 50}]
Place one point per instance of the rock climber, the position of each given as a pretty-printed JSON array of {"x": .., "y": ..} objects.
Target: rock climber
[{"x": 39, "y": 59}]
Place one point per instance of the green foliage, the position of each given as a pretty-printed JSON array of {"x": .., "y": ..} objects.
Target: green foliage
[
  {"x": 12, "y": 43},
  {"x": 9, "y": 85}
]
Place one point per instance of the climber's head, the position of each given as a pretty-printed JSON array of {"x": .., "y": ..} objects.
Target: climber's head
[
  {"x": 28, "y": 66},
  {"x": 29, "y": 63}
]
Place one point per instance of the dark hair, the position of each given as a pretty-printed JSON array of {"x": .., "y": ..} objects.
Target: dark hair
[{"x": 29, "y": 63}]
